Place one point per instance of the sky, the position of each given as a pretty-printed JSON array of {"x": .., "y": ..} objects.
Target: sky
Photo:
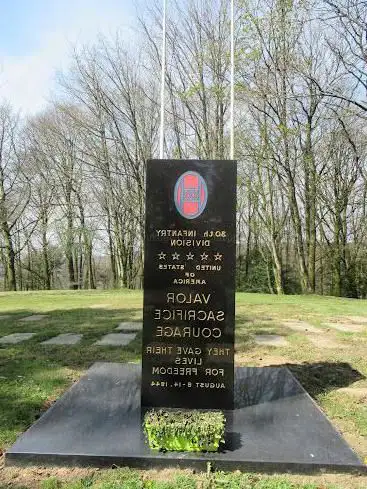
[{"x": 36, "y": 37}]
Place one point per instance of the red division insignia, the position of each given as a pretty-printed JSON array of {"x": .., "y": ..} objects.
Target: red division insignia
[{"x": 191, "y": 194}]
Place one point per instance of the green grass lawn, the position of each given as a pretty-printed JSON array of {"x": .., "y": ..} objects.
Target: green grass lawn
[{"x": 32, "y": 375}]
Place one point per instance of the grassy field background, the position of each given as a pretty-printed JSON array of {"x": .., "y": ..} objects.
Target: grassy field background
[{"x": 32, "y": 375}]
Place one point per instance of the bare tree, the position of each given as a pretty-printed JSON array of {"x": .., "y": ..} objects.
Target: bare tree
[{"x": 14, "y": 191}]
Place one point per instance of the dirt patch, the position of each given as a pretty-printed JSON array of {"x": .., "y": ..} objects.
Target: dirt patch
[
  {"x": 347, "y": 327},
  {"x": 48, "y": 403},
  {"x": 358, "y": 392},
  {"x": 325, "y": 342},
  {"x": 326, "y": 480},
  {"x": 32, "y": 476},
  {"x": 244, "y": 359},
  {"x": 270, "y": 360},
  {"x": 302, "y": 326},
  {"x": 357, "y": 319}
]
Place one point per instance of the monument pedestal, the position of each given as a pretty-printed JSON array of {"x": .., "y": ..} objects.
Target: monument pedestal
[{"x": 274, "y": 427}]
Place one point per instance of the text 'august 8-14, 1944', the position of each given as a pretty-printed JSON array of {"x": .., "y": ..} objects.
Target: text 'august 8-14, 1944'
[{"x": 189, "y": 282}]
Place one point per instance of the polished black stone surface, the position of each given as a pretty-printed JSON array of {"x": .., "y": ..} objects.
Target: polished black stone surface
[
  {"x": 275, "y": 426},
  {"x": 189, "y": 284}
]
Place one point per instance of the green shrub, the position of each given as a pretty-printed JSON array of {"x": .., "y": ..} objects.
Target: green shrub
[{"x": 190, "y": 431}]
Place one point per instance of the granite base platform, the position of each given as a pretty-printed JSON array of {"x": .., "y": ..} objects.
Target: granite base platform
[{"x": 275, "y": 427}]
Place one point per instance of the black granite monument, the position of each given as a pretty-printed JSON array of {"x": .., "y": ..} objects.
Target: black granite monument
[
  {"x": 188, "y": 354},
  {"x": 189, "y": 284}
]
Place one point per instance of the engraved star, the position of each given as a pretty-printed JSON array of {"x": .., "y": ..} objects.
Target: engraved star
[
  {"x": 190, "y": 256},
  {"x": 161, "y": 255},
  {"x": 217, "y": 257},
  {"x": 175, "y": 256},
  {"x": 204, "y": 256}
]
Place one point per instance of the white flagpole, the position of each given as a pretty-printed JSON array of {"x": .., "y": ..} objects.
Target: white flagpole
[
  {"x": 161, "y": 132},
  {"x": 231, "y": 152}
]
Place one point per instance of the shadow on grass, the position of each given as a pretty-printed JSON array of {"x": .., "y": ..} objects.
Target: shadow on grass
[
  {"x": 33, "y": 375},
  {"x": 323, "y": 377},
  {"x": 91, "y": 323},
  {"x": 259, "y": 385}
]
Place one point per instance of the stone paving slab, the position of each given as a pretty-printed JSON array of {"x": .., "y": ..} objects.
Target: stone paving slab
[
  {"x": 64, "y": 339},
  {"x": 347, "y": 327},
  {"x": 131, "y": 326},
  {"x": 15, "y": 338},
  {"x": 34, "y": 317},
  {"x": 116, "y": 339},
  {"x": 324, "y": 342},
  {"x": 270, "y": 340},
  {"x": 302, "y": 326}
]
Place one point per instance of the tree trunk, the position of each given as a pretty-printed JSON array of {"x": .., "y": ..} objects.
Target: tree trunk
[
  {"x": 112, "y": 251},
  {"x": 10, "y": 258},
  {"x": 69, "y": 253}
]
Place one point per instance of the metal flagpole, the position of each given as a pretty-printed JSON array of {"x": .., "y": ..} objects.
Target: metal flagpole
[
  {"x": 231, "y": 152},
  {"x": 161, "y": 135}
]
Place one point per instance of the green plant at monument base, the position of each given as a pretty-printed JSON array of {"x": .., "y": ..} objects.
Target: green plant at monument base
[{"x": 184, "y": 431}]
